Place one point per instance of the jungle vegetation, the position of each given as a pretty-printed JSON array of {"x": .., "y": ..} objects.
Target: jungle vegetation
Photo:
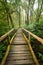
[{"x": 22, "y": 13}]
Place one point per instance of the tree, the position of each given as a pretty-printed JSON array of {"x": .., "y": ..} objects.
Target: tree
[
  {"x": 25, "y": 7},
  {"x": 7, "y": 11},
  {"x": 39, "y": 10},
  {"x": 16, "y": 6}
]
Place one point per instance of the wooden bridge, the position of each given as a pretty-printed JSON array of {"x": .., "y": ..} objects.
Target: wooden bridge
[{"x": 19, "y": 50}]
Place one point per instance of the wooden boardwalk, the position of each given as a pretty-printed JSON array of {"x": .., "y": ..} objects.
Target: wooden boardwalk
[{"x": 19, "y": 53}]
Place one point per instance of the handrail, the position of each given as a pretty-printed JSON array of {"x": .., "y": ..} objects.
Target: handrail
[
  {"x": 36, "y": 37},
  {"x": 5, "y": 35},
  {"x": 7, "y": 50},
  {"x": 31, "y": 50}
]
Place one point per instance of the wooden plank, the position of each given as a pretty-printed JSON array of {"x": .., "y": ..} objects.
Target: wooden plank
[
  {"x": 18, "y": 48},
  {"x": 19, "y": 51},
  {"x": 17, "y": 62},
  {"x": 18, "y": 42},
  {"x": 19, "y": 58},
  {"x": 19, "y": 55},
  {"x": 18, "y": 39}
]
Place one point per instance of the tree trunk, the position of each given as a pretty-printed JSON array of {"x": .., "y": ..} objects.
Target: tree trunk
[
  {"x": 39, "y": 14},
  {"x": 31, "y": 10},
  {"x": 11, "y": 20},
  {"x": 7, "y": 12},
  {"x": 8, "y": 21},
  {"x": 27, "y": 18},
  {"x": 19, "y": 17}
]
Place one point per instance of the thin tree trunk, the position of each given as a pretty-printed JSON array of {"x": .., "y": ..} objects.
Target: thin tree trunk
[
  {"x": 11, "y": 20},
  {"x": 8, "y": 21},
  {"x": 27, "y": 18},
  {"x": 31, "y": 11},
  {"x": 19, "y": 17},
  {"x": 39, "y": 14}
]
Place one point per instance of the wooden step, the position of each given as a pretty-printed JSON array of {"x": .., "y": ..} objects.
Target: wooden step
[
  {"x": 19, "y": 51},
  {"x": 20, "y": 54},
  {"x": 19, "y": 47},
  {"x": 19, "y": 62},
  {"x": 19, "y": 35},
  {"x": 18, "y": 39},
  {"x": 19, "y": 58},
  {"x": 15, "y": 56},
  {"x": 13, "y": 50},
  {"x": 19, "y": 42}
]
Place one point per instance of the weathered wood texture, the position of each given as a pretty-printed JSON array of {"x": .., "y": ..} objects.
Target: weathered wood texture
[
  {"x": 35, "y": 36},
  {"x": 19, "y": 53}
]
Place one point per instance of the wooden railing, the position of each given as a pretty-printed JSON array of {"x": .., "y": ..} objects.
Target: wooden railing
[
  {"x": 3, "y": 38},
  {"x": 36, "y": 37},
  {"x": 5, "y": 35},
  {"x": 29, "y": 45}
]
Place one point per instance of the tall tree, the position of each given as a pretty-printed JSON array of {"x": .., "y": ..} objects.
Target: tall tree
[
  {"x": 16, "y": 5},
  {"x": 39, "y": 10},
  {"x": 7, "y": 10}
]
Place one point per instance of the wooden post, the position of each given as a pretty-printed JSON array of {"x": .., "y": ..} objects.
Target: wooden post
[
  {"x": 8, "y": 38},
  {"x": 29, "y": 37}
]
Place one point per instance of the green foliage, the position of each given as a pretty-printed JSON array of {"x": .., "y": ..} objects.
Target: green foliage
[
  {"x": 3, "y": 27},
  {"x": 2, "y": 50},
  {"x": 37, "y": 29},
  {"x": 7, "y": 17},
  {"x": 1, "y": 55},
  {"x": 40, "y": 56}
]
